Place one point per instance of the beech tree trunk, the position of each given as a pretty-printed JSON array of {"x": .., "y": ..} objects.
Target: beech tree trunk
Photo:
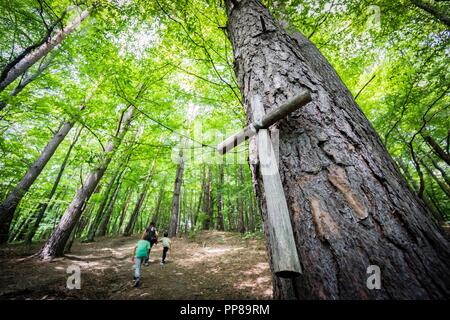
[
  {"x": 137, "y": 208},
  {"x": 124, "y": 210},
  {"x": 176, "y": 198},
  {"x": 9, "y": 205},
  {"x": 207, "y": 201},
  {"x": 96, "y": 221},
  {"x": 54, "y": 246},
  {"x": 103, "y": 227},
  {"x": 349, "y": 206},
  {"x": 435, "y": 12},
  {"x": 157, "y": 211},
  {"x": 22, "y": 65},
  {"x": 27, "y": 80},
  {"x": 441, "y": 184},
  {"x": 442, "y": 171},
  {"x": 43, "y": 206},
  {"x": 240, "y": 204},
  {"x": 437, "y": 148},
  {"x": 220, "y": 199}
]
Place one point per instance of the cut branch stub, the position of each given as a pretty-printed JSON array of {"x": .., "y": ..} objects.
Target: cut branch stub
[{"x": 265, "y": 122}]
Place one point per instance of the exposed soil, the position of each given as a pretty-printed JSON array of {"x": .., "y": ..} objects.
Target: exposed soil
[{"x": 210, "y": 265}]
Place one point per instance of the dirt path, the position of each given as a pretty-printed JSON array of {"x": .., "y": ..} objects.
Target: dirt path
[{"x": 212, "y": 265}]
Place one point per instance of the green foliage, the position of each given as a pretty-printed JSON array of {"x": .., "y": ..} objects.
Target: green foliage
[{"x": 179, "y": 50}]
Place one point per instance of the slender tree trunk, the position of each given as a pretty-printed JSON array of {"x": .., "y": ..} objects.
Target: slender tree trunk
[
  {"x": 22, "y": 65},
  {"x": 435, "y": 12},
  {"x": 9, "y": 205},
  {"x": 437, "y": 148},
  {"x": 240, "y": 205},
  {"x": 442, "y": 171},
  {"x": 251, "y": 211},
  {"x": 349, "y": 206},
  {"x": 220, "y": 225},
  {"x": 103, "y": 227},
  {"x": 156, "y": 214},
  {"x": 176, "y": 197},
  {"x": 230, "y": 209},
  {"x": 20, "y": 231},
  {"x": 43, "y": 206},
  {"x": 441, "y": 184},
  {"x": 27, "y": 80},
  {"x": 124, "y": 210},
  {"x": 100, "y": 211},
  {"x": 200, "y": 198},
  {"x": 207, "y": 201},
  {"x": 55, "y": 245},
  {"x": 137, "y": 209}
]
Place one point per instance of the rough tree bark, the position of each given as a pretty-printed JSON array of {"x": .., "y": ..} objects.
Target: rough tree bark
[
  {"x": 44, "y": 205},
  {"x": 349, "y": 206},
  {"x": 9, "y": 205},
  {"x": 22, "y": 65},
  {"x": 55, "y": 244},
  {"x": 176, "y": 197}
]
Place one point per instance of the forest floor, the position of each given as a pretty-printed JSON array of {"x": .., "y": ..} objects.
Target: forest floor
[{"x": 209, "y": 265}]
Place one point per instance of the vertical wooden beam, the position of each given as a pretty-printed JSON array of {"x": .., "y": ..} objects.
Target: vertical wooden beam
[{"x": 284, "y": 251}]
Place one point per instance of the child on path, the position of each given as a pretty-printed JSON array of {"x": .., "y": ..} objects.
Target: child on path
[
  {"x": 166, "y": 246},
  {"x": 140, "y": 253}
]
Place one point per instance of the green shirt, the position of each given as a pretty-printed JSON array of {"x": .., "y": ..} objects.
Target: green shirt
[{"x": 142, "y": 248}]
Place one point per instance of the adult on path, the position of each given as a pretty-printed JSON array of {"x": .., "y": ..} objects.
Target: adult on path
[{"x": 152, "y": 237}]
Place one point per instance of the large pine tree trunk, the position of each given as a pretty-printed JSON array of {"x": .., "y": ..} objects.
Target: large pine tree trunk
[
  {"x": 54, "y": 246},
  {"x": 349, "y": 206},
  {"x": 9, "y": 205},
  {"x": 22, "y": 65},
  {"x": 176, "y": 198}
]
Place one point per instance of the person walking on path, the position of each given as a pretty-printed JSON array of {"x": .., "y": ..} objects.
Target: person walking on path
[
  {"x": 140, "y": 253},
  {"x": 166, "y": 243},
  {"x": 152, "y": 237}
]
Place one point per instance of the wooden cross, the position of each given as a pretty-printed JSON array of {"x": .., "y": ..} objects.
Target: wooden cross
[{"x": 284, "y": 251}]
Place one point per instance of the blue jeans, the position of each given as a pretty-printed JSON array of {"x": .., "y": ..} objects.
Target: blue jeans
[{"x": 137, "y": 266}]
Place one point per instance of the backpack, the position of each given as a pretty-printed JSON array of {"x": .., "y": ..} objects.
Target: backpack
[{"x": 151, "y": 233}]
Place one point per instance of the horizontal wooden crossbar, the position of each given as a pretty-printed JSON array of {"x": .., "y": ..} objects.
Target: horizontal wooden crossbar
[{"x": 290, "y": 106}]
